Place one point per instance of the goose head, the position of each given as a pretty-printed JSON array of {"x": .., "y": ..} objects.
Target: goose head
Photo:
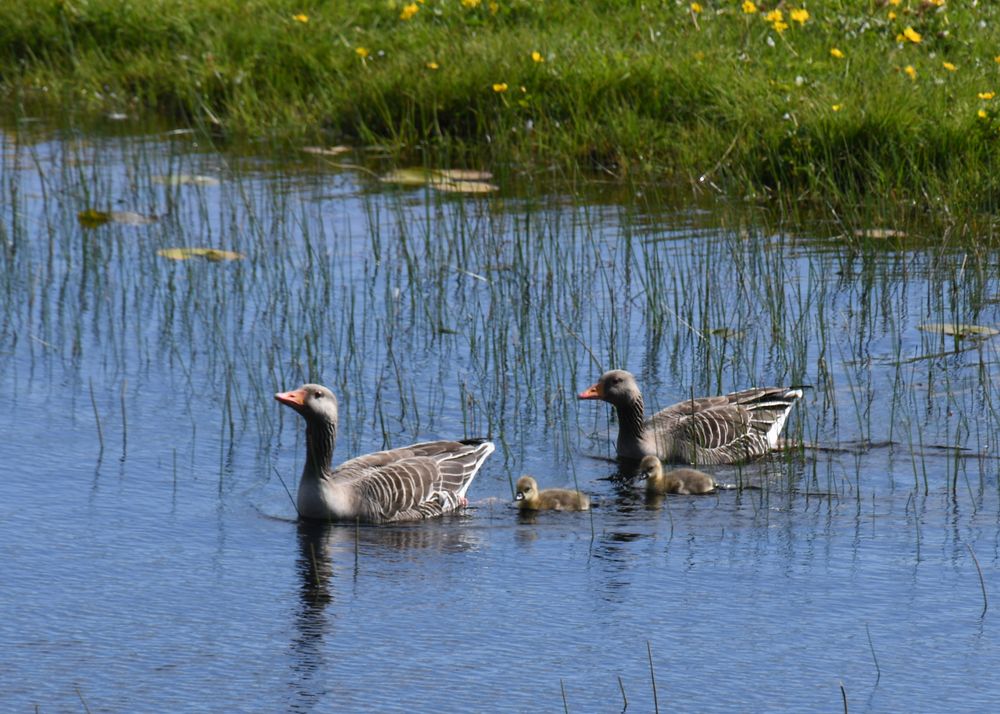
[
  {"x": 314, "y": 402},
  {"x": 617, "y": 387},
  {"x": 527, "y": 490},
  {"x": 650, "y": 468}
]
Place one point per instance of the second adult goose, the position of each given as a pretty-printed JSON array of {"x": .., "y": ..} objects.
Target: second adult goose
[
  {"x": 707, "y": 430},
  {"x": 409, "y": 483}
]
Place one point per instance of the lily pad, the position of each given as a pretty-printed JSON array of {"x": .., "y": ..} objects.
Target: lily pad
[
  {"x": 186, "y": 180},
  {"x": 326, "y": 150},
  {"x": 92, "y": 218},
  {"x": 213, "y": 254},
  {"x": 408, "y": 177},
  {"x": 464, "y": 186},
  {"x": 879, "y": 233},
  {"x": 972, "y": 332},
  {"x": 463, "y": 175}
]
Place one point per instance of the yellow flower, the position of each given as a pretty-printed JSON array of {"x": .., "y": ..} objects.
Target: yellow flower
[
  {"x": 837, "y": 107},
  {"x": 987, "y": 95},
  {"x": 500, "y": 87},
  {"x": 409, "y": 11},
  {"x": 300, "y": 18},
  {"x": 892, "y": 15},
  {"x": 894, "y": 2},
  {"x": 982, "y": 114},
  {"x": 494, "y": 8},
  {"x": 774, "y": 16},
  {"x": 361, "y": 52},
  {"x": 836, "y": 53},
  {"x": 800, "y": 16},
  {"x": 780, "y": 26},
  {"x": 997, "y": 59},
  {"x": 433, "y": 65},
  {"x": 912, "y": 35},
  {"x": 471, "y": 3},
  {"x": 536, "y": 56},
  {"x": 949, "y": 66},
  {"x": 910, "y": 72},
  {"x": 695, "y": 8},
  {"x": 749, "y": 8}
]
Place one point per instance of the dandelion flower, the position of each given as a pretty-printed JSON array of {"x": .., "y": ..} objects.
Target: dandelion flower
[
  {"x": 471, "y": 3},
  {"x": 982, "y": 114},
  {"x": 800, "y": 15},
  {"x": 837, "y": 107},
  {"x": 536, "y": 56},
  {"x": 892, "y": 15},
  {"x": 361, "y": 52},
  {"x": 695, "y": 8},
  {"x": 912, "y": 35},
  {"x": 494, "y": 8},
  {"x": 987, "y": 95},
  {"x": 949, "y": 66},
  {"x": 910, "y": 72},
  {"x": 749, "y": 8},
  {"x": 500, "y": 87},
  {"x": 774, "y": 16},
  {"x": 301, "y": 18},
  {"x": 780, "y": 26},
  {"x": 409, "y": 11},
  {"x": 894, "y": 2},
  {"x": 836, "y": 53},
  {"x": 997, "y": 59},
  {"x": 433, "y": 65}
]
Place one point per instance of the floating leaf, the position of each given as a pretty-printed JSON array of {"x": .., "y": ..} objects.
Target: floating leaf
[
  {"x": 326, "y": 150},
  {"x": 463, "y": 175},
  {"x": 213, "y": 254},
  {"x": 186, "y": 180},
  {"x": 131, "y": 218},
  {"x": 464, "y": 186},
  {"x": 408, "y": 177},
  {"x": 92, "y": 218},
  {"x": 975, "y": 332},
  {"x": 879, "y": 233},
  {"x": 727, "y": 333}
]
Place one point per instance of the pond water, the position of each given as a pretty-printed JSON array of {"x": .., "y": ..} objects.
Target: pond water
[{"x": 150, "y": 558}]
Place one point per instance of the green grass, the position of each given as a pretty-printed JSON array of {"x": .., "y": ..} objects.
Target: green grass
[{"x": 647, "y": 89}]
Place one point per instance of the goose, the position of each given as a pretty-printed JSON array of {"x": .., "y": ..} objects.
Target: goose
[
  {"x": 529, "y": 498},
  {"x": 708, "y": 430},
  {"x": 409, "y": 483},
  {"x": 684, "y": 482}
]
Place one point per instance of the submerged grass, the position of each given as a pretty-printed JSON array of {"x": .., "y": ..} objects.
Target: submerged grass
[{"x": 833, "y": 101}]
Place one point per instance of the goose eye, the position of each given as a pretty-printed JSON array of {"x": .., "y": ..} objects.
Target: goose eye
[{"x": 317, "y": 394}]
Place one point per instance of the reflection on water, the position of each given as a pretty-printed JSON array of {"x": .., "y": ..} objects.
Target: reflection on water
[{"x": 150, "y": 582}]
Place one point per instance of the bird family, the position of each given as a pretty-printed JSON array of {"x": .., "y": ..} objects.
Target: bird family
[{"x": 431, "y": 478}]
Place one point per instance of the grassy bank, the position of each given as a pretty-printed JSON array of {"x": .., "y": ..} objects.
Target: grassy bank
[{"x": 835, "y": 98}]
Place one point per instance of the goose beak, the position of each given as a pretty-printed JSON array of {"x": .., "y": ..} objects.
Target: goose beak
[
  {"x": 293, "y": 399},
  {"x": 519, "y": 496},
  {"x": 593, "y": 392}
]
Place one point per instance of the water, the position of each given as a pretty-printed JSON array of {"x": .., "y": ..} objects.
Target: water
[{"x": 150, "y": 556}]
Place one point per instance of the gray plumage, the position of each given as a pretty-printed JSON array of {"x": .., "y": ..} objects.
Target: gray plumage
[
  {"x": 409, "y": 483},
  {"x": 707, "y": 430}
]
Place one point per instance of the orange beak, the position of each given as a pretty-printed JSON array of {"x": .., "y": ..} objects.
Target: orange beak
[
  {"x": 593, "y": 392},
  {"x": 294, "y": 399}
]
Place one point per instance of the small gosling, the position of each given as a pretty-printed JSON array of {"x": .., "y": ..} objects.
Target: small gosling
[
  {"x": 684, "y": 482},
  {"x": 529, "y": 498}
]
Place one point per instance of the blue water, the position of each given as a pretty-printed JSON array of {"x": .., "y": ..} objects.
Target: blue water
[{"x": 164, "y": 571}]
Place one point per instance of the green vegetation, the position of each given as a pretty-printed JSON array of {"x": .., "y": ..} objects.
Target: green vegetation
[{"x": 883, "y": 99}]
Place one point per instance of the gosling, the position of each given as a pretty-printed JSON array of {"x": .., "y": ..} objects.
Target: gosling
[
  {"x": 684, "y": 482},
  {"x": 529, "y": 498}
]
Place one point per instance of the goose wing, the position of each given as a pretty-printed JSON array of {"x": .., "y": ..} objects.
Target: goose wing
[{"x": 414, "y": 482}]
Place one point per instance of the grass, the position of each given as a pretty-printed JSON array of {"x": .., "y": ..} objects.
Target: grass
[{"x": 844, "y": 103}]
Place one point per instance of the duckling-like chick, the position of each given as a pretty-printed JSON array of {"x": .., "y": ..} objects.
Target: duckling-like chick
[
  {"x": 680, "y": 481},
  {"x": 529, "y": 498}
]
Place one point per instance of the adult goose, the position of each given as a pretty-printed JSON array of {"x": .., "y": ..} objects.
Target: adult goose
[
  {"x": 684, "y": 481},
  {"x": 409, "y": 483},
  {"x": 529, "y": 498},
  {"x": 707, "y": 430}
]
